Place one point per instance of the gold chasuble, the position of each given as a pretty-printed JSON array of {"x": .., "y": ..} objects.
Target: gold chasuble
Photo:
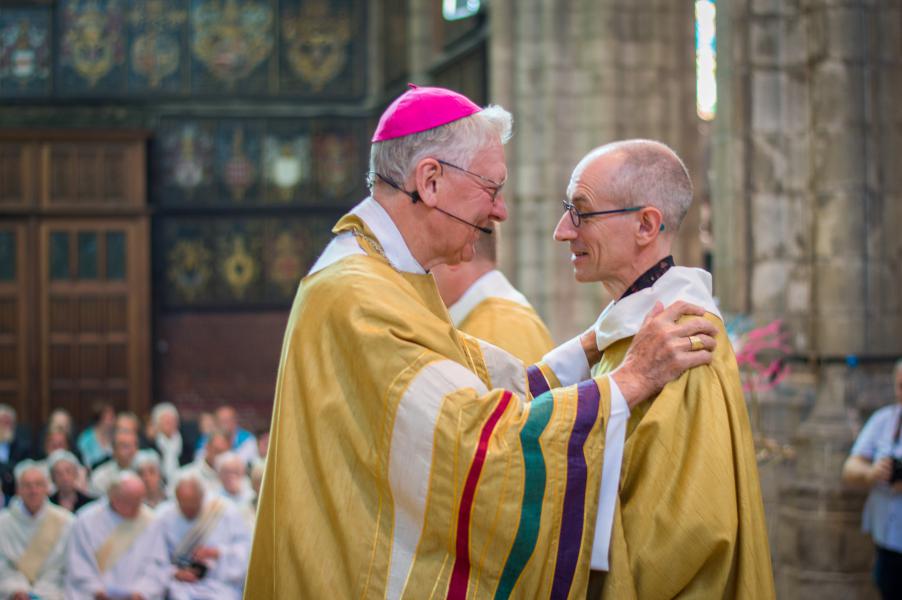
[
  {"x": 408, "y": 460},
  {"x": 494, "y": 311},
  {"x": 690, "y": 520}
]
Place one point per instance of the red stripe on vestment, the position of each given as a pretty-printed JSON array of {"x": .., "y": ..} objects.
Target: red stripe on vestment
[{"x": 457, "y": 588}]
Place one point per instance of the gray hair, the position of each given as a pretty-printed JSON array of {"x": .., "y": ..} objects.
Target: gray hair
[
  {"x": 146, "y": 457},
  {"x": 8, "y": 410},
  {"x": 188, "y": 476},
  {"x": 228, "y": 457},
  {"x": 163, "y": 408},
  {"x": 120, "y": 478},
  {"x": 30, "y": 465},
  {"x": 58, "y": 456},
  {"x": 898, "y": 367},
  {"x": 456, "y": 142},
  {"x": 651, "y": 174}
]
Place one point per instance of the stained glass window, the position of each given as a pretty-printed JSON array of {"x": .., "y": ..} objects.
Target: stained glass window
[
  {"x": 705, "y": 59},
  {"x": 453, "y": 10}
]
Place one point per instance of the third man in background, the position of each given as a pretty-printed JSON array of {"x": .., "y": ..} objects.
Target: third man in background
[{"x": 483, "y": 303}]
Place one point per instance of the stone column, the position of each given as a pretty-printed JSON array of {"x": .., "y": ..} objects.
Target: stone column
[{"x": 806, "y": 207}]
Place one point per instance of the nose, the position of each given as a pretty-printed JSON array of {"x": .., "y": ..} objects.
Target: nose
[
  {"x": 565, "y": 231},
  {"x": 499, "y": 209}
]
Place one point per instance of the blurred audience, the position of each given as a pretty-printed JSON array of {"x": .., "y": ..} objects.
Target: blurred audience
[
  {"x": 33, "y": 538},
  {"x": 68, "y": 477},
  {"x": 208, "y": 542},
  {"x": 116, "y": 546},
  {"x": 96, "y": 442},
  {"x": 205, "y": 464},
  {"x": 147, "y": 465},
  {"x": 115, "y": 550},
  {"x": 15, "y": 445},
  {"x": 174, "y": 442},
  {"x": 233, "y": 479},
  {"x": 125, "y": 447}
]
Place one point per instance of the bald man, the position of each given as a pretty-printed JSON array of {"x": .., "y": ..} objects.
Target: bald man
[
  {"x": 33, "y": 536},
  {"x": 208, "y": 541},
  {"x": 689, "y": 520},
  {"x": 115, "y": 552},
  {"x": 484, "y": 304}
]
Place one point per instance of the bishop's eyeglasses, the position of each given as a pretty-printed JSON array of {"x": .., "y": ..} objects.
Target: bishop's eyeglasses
[
  {"x": 576, "y": 217},
  {"x": 493, "y": 189}
]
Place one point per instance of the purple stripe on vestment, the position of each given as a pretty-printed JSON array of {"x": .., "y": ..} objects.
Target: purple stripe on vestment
[
  {"x": 538, "y": 385},
  {"x": 575, "y": 494}
]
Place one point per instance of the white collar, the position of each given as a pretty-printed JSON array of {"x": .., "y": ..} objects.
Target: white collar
[
  {"x": 386, "y": 232},
  {"x": 388, "y": 235},
  {"x": 622, "y": 319},
  {"x": 491, "y": 285}
]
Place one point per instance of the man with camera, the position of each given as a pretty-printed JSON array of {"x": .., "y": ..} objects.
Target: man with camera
[{"x": 875, "y": 464}]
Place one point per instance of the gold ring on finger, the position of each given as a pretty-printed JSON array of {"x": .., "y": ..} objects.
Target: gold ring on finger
[{"x": 695, "y": 343}]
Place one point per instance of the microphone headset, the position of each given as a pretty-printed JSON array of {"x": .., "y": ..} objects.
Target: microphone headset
[{"x": 415, "y": 196}]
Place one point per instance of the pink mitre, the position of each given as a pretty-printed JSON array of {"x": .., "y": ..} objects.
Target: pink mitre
[{"x": 422, "y": 108}]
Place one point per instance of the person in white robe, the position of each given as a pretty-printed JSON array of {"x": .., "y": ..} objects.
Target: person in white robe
[
  {"x": 33, "y": 536},
  {"x": 167, "y": 438},
  {"x": 147, "y": 466},
  {"x": 208, "y": 541},
  {"x": 125, "y": 447},
  {"x": 114, "y": 551},
  {"x": 205, "y": 463},
  {"x": 233, "y": 479}
]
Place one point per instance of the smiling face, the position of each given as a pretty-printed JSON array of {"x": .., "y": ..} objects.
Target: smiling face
[
  {"x": 470, "y": 199},
  {"x": 602, "y": 247}
]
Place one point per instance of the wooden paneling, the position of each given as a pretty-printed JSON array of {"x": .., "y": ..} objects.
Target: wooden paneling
[
  {"x": 74, "y": 271},
  {"x": 17, "y": 175},
  {"x": 95, "y": 334},
  {"x": 14, "y": 339}
]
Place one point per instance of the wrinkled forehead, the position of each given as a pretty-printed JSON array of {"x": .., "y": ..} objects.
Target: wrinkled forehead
[{"x": 592, "y": 172}]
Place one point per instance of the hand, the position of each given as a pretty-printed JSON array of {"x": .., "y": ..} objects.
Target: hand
[
  {"x": 136, "y": 596},
  {"x": 661, "y": 351},
  {"x": 205, "y": 553},
  {"x": 186, "y": 575},
  {"x": 101, "y": 596},
  {"x": 20, "y": 595},
  {"x": 880, "y": 471}
]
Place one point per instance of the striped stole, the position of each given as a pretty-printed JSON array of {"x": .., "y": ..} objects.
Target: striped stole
[
  {"x": 201, "y": 529},
  {"x": 122, "y": 538},
  {"x": 41, "y": 544}
]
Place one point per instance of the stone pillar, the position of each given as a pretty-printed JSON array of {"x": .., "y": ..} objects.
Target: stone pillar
[
  {"x": 578, "y": 74},
  {"x": 806, "y": 211}
]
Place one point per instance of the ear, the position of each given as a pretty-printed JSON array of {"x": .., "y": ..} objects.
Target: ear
[
  {"x": 651, "y": 224},
  {"x": 426, "y": 180}
]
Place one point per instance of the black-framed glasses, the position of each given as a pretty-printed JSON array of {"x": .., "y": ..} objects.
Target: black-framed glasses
[
  {"x": 494, "y": 188},
  {"x": 576, "y": 217}
]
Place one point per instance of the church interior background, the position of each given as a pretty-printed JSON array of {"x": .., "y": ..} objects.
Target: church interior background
[{"x": 169, "y": 169}]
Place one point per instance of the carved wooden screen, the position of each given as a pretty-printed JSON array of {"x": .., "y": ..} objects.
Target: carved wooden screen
[
  {"x": 14, "y": 339},
  {"x": 74, "y": 271},
  {"x": 94, "y": 314}
]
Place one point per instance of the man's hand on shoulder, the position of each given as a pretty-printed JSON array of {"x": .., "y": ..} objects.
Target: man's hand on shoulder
[{"x": 661, "y": 351}]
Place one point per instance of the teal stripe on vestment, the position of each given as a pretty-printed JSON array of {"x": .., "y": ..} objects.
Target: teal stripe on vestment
[{"x": 533, "y": 493}]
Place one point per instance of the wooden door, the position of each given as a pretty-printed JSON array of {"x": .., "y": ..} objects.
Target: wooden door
[
  {"x": 94, "y": 314},
  {"x": 14, "y": 325}
]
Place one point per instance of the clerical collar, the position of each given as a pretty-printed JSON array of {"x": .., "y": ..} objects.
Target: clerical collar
[
  {"x": 647, "y": 279},
  {"x": 388, "y": 235}
]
